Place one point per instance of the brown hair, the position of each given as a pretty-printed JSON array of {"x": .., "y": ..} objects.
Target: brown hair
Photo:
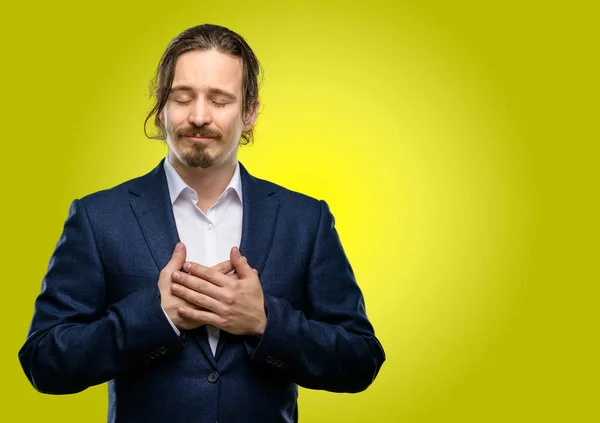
[{"x": 204, "y": 37}]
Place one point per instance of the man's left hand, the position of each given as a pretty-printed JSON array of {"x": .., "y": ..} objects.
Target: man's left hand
[{"x": 233, "y": 303}]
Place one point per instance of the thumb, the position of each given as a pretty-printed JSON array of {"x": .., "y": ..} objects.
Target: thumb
[
  {"x": 240, "y": 263},
  {"x": 178, "y": 257}
]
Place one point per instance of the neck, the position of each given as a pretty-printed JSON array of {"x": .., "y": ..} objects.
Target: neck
[{"x": 208, "y": 183}]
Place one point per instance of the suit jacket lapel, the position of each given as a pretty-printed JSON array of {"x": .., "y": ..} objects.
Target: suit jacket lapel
[
  {"x": 153, "y": 210},
  {"x": 258, "y": 225},
  {"x": 259, "y": 221}
]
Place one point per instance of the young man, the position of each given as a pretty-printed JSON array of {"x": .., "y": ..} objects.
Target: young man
[{"x": 148, "y": 290}]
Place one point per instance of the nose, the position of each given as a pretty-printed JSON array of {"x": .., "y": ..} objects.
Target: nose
[{"x": 199, "y": 113}]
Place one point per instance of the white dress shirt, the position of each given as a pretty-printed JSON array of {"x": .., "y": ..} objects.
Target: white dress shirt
[{"x": 208, "y": 237}]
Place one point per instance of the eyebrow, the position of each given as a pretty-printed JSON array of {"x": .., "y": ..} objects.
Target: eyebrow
[{"x": 211, "y": 91}]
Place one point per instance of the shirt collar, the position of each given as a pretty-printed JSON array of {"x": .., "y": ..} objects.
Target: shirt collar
[{"x": 177, "y": 185}]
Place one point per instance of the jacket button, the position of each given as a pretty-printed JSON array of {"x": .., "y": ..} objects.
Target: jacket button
[{"x": 213, "y": 377}]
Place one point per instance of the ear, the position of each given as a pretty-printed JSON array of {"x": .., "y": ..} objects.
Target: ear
[{"x": 251, "y": 115}]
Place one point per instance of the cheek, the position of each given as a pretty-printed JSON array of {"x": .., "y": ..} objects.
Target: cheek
[
  {"x": 231, "y": 122},
  {"x": 174, "y": 118}
]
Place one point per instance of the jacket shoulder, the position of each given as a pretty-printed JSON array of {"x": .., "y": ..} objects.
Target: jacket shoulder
[
  {"x": 118, "y": 193},
  {"x": 292, "y": 201}
]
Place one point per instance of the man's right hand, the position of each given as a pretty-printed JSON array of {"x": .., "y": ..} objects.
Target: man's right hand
[{"x": 169, "y": 302}]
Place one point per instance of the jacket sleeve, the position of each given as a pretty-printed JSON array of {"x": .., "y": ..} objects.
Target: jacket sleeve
[
  {"x": 76, "y": 339},
  {"x": 331, "y": 345}
]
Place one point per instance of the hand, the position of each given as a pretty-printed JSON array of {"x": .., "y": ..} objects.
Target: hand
[
  {"x": 231, "y": 303},
  {"x": 169, "y": 302}
]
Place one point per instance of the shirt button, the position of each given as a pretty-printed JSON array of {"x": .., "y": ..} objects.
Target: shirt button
[
  {"x": 213, "y": 377},
  {"x": 210, "y": 227}
]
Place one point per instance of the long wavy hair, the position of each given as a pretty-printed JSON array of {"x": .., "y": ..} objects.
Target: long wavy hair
[{"x": 204, "y": 37}]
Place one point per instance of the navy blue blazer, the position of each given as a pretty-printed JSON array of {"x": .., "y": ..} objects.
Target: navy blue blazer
[{"x": 98, "y": 317}]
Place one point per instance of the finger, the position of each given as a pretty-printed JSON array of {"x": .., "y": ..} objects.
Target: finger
[
  {"x": 206, "y": 273},
  {"x": 240, "y": 263},
  {"x": 201, "y": 316},
  {"x": 178, "y": 257},
  {"x": 224, "y": 267},
  {"x": 197, "y": 284},
  {"x": 255, "y": 272},
  {"x": 196, "y": 298}
]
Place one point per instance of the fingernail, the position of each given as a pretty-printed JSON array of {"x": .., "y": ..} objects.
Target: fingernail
[
  {"x": 175, "y": 288},
  {"x": 187, "y": 266},
  {"x": 176, "y": 276}
]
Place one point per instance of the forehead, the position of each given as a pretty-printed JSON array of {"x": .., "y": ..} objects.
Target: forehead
[{"x": 206, "y": 69}]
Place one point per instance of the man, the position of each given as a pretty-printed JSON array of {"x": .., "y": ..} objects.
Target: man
[{"x": 148, "y": 290}]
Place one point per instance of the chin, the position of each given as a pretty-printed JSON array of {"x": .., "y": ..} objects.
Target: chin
[
  {"x": 197, "y": 156},
  {"x": 203, "y": 161}
]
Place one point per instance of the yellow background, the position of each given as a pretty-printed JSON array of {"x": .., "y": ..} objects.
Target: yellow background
[{"x": 452, "y": 140}]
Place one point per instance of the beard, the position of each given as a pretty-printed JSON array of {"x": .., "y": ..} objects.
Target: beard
[{"x": 197, "y": 155}]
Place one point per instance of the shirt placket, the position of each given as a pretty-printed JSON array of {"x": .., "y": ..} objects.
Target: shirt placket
[{"x": 210, "y": 247}]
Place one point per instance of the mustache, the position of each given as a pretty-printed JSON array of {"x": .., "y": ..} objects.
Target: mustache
[{"x": 198, "y": 131}]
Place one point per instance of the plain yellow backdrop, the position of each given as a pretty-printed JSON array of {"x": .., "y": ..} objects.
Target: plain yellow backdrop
[{"x": 452, "y": 141}]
